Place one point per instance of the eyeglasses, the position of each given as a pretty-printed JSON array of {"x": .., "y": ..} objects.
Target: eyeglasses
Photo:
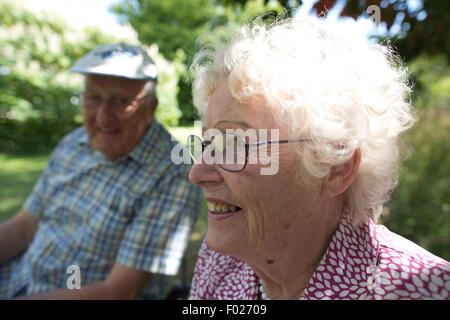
[
  {"x": 92, "y": 101},
  {"x": 230, "y": 151}
]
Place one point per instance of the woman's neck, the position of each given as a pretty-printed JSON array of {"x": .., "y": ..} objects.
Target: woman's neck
[{"x": 286, "y": 263}]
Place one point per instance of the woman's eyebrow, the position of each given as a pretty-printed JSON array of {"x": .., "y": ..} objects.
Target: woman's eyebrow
[{"x": 242, "y": 124}]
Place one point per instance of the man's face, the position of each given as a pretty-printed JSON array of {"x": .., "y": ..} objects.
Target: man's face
[{"x": 116, "y": 132}]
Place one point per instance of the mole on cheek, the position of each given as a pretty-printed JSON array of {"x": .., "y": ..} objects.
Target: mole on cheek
[{"x": 270, "y": 261}]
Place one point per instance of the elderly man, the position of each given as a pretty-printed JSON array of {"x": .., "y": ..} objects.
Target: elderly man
[{"x": 110, "y": 216}]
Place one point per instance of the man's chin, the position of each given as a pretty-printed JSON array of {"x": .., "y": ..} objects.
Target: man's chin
[
  {"x": 108, "y": 148},
  {"x": 112, "y": 133}
]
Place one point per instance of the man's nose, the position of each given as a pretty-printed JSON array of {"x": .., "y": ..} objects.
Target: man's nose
[{"x": 105, "y": 115}]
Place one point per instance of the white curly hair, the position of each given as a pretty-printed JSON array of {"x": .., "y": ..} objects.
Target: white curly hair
[{"x": 325, "y": 83}]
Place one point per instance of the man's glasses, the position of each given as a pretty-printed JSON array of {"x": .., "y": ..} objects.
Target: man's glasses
[
  {"x": 229, "y": 150},
  {"x": 119, "y": 105}
]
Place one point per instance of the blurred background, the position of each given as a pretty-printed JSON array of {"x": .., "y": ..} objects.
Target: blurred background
[{"x": 41, "y": 39}]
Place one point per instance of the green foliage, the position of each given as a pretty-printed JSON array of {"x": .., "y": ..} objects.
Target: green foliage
[
  {"x": 432, "y": 81},
  {"x": 240, "y": 13},
  {"x": 420, "y": 208},
  {"x": 36, "y": 87},
  {"x": 167, "y": 112},
  {"x": 172, "y": 25},
  {"x": 175, "y": 25},
  {"x": 38, "y": 103}
]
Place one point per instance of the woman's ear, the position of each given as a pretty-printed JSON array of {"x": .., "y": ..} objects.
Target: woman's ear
[{"x": 341, "y": 177}]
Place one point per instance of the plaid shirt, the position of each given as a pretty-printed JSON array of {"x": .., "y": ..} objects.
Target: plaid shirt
[{"x": 137, "y": 211}]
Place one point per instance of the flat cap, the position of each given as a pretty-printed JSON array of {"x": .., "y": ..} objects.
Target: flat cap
[{"x": 117, "y": 60}]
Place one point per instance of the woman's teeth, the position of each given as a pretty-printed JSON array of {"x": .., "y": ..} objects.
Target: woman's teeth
[{"x": 221, "y": 207}]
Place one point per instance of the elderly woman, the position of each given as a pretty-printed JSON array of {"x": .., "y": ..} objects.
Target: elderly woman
[{"x": 327, "y": 109}]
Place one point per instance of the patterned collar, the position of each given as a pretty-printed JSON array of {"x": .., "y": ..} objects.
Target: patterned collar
[{"x": 347, "y": 266}]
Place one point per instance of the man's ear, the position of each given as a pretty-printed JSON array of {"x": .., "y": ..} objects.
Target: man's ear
[
  {"x": 149, "y": 110},
  {"x": 151, "y": 106},
  {"x": 154, "y": 104},
  {"x": 341, "y": 177}
]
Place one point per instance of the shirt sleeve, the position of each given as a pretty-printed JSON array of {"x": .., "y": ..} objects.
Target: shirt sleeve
[{"x": 157, "y": 237}]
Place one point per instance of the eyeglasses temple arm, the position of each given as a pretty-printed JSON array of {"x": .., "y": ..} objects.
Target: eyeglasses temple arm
[{"x": 276, "y": 141}]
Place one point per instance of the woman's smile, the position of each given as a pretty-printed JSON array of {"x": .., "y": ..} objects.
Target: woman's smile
[{"x": 219, "y": 210}]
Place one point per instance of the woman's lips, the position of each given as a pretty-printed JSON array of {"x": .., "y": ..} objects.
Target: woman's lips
[
  {"x": 221, "y": 210},
  {"x": 221, "y": 216}
]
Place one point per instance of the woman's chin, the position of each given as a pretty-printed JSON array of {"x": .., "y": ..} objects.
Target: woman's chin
[{"x": 224, "y": 243}]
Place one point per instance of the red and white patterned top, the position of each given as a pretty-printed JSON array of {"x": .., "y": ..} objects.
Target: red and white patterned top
[{"x": 368, "y": 262}]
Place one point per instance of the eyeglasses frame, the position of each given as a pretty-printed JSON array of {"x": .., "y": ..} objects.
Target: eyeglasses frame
[
  {"x": 247, "y": 146},
  {"x": 81, "y": 93}
]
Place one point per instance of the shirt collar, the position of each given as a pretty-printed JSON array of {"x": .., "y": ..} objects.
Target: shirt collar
[
  {"x": 347, "y": 264},
  {"x": 83, "y": 138},
  {"x": 141, "y": 152}
]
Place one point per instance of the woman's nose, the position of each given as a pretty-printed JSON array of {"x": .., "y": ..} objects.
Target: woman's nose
[{"x": 204, "y": 172}]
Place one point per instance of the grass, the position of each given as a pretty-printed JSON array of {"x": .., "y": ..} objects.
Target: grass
[
  {"x": 17, "y": 178},
  {"x": 18, "y": 175}
]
